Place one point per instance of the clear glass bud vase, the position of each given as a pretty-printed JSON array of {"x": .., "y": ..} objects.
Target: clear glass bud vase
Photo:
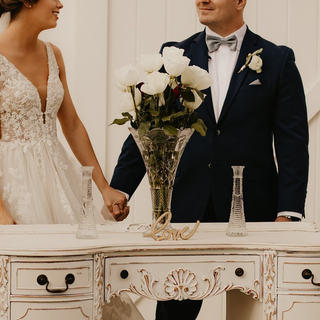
[
  {"x": 87, "y": 226},
  {"x": 237, "y": 224}
]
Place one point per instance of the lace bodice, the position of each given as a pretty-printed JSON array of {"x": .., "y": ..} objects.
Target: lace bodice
[{"x": 22, "y": 121}]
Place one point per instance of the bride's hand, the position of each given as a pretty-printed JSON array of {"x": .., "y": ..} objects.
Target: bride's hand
[
  {"x": 5, "y": 217},
  {"x": 116, "y": 202}
]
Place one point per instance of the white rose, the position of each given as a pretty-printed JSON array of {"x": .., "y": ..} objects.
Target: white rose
[
  {"x": 121, "y": 87},
  {"x": 195, "y": 104},
  {"x": 156, "y": 83},
  {"x": 174, "y": 61},
  {"x": 150, "y": 62},
  {"x": 127, "y": 76},
  {"x": 129, "y": 101},
  {"x": 196, "y": 77},
  {"x": 256, "y": 64}
]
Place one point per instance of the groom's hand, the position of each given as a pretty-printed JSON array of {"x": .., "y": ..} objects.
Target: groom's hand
[{"x": 120, "y": 214}]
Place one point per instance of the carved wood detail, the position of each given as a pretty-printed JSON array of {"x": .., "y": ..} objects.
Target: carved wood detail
[
  {"x": 4, "y": 288},
  {"x": 270, "y": 298},
  {"x": 181, "y": 285},
  {"x": 99, "y": 284}
]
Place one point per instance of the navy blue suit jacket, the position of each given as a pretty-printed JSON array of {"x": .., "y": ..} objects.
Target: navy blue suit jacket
[{"x": 251, "y": 118}]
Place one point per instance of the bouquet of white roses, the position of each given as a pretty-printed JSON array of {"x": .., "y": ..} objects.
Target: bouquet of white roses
[{"x": 166, "y": 100}]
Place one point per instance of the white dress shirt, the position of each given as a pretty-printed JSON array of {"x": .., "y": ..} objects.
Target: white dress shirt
[{"x": 221, "y": 66}]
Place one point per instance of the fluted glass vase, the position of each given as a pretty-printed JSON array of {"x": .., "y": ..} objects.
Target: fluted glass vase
[
  {"x": 237, "y": 224},
  {"x": 161, "y": 155},
  {"x": 87, "y": 226}
]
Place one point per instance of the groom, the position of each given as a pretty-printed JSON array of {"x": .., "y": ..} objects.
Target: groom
[{"x": 245, "y": 112}]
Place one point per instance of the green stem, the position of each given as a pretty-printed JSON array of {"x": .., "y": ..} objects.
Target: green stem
[{"x": 132, "y": 91}]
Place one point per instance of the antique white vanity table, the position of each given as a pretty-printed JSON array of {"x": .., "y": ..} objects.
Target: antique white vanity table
[{"x": 46, "y": 273}]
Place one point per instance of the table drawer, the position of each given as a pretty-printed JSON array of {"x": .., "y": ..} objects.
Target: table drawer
[
  {"x": 80, "y": 310},
  {"x": 182, "y": 277},
  {"x": 291, "y": 269},
  {"x": 25, "y": 277}
]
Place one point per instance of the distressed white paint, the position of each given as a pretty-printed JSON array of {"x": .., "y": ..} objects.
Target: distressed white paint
[{"x": 272, "y": 257}]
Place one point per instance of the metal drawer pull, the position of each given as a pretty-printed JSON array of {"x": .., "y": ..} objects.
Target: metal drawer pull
[
  {"x": 43, "y": 280},
  {"x": 239, "y": 272},
  {"x": 307, "y": 274}
]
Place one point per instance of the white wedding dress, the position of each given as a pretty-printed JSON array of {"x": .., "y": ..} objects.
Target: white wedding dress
[{"x": 39, "y": 181}]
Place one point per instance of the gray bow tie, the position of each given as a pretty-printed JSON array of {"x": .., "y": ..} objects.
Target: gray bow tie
[{"x": 213, "y": 43}]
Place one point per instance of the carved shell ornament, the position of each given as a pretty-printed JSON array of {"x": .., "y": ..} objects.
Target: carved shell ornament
[{"x": 181, "y": 284}]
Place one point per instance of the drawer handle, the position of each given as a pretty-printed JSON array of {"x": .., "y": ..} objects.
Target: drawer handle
[
  {"x": 307, "y": 274},
  {"x": 43, "y": 280},
  {"x": 239, "y": 272},
  {"x": 124, "y": 274}
]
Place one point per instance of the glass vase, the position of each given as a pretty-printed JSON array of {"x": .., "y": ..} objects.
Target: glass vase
[
  {"x": 87, "y": 226},
  {"x": 161, "y": 155},
  {"x": 237, "y": 224}
]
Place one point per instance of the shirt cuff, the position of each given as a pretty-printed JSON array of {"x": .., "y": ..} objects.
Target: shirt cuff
[
  {"x": 127, "y": 196},
  {"x": 290, "y": 213}
]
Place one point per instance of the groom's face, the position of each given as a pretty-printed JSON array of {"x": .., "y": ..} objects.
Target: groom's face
[{"x": 217, "y": 14}]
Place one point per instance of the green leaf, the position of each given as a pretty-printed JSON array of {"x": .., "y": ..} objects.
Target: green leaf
[
  {"x": 188, "y": 95},
  {"x": 120, "y": 121},
  {"x": 157, "y": 123},
  {"x": 170, "y": 130},
  {"x": 174, "y": 115},
  {"x": 127, "y": 115},
  {"x": 154, "y": 113},
  {"x": 143, "y": 128},
  {"x": 193, "y": 118},
  {"x": 201, "y": 95},
  {"x": 200, "y": 127}
]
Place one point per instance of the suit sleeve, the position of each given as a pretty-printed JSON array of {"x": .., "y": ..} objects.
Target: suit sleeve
[
  {"x": 291, "y": 138},
  {"x": 130, "y": 168}
]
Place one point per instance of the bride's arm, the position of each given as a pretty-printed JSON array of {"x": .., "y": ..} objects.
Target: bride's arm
[
  {"x": 5, "y": 217},
  {"x": 78, "y": 139}
]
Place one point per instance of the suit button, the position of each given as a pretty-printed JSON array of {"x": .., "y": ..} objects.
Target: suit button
[
  {"x": 209, "y": 165},
  {"x": 217, "y": 132}
]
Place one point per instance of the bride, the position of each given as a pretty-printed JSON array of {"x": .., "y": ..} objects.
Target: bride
[{"x": 39, "y": 181}]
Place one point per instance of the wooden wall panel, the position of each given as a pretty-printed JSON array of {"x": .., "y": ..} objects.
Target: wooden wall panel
[
  {"x": 303, "y": 38},
  {"x": 111, "y": 33},
  {"x": 148, "y": 23},
  {"x": 272, "y": 24},
  {"x": 151, "y": 25},
  {"x": 182, "y": 21}
]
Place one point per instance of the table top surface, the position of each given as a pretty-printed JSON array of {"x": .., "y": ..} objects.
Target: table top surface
[{"x": 41, "y": 240}]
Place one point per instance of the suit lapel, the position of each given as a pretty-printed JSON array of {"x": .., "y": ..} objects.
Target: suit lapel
[
  {"x": 199, "y": 58},
  {"x": 249, "y": 45}
]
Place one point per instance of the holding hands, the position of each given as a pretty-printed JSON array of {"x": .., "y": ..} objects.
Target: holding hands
[{"x": 116, "y": 202}]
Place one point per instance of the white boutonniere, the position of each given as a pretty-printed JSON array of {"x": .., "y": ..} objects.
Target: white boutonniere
[{"x": 253, "y": 61}]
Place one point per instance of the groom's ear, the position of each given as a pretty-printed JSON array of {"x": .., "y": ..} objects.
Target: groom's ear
[{"x": 241, "y": 4}]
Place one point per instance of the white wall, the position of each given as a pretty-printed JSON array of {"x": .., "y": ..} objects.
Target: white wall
[
  {"x": 141, "y": 26},
  {"x": 99, "y": 36}
]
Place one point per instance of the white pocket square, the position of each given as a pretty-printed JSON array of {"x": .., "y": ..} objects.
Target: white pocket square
[{"x": 255, "y": 82}]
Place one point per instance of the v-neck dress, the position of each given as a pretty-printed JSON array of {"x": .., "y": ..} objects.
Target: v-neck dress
[{"x": 39, "y": 181}]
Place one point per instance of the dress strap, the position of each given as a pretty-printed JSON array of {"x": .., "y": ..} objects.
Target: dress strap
[{"x": 53, "y": 65}]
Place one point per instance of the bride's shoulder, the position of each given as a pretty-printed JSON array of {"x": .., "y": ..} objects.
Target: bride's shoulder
[
  {"x": 57, "y": 53},
  {"x": 55, "y": 49}
]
